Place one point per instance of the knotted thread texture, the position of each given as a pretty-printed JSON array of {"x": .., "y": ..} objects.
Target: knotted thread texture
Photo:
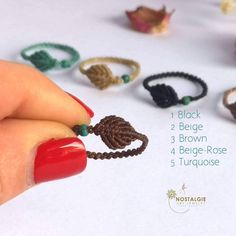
[
  {"x": 101, "y": 76},
  {"x": 164, "y": 95},
  {"x": 116, "y": 133},
  {"x": 43, "y": 60}
]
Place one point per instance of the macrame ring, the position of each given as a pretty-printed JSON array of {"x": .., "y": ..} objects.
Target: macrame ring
[
  {"x": 227, "y": 104},
  {"x": 116, "y": 133},
  {"x": 43, "y": 61},
  {"x": 100, "y": 74},
  {"x": 165, "y": 96}
]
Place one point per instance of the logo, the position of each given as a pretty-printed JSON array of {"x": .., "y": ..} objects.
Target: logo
[{"x": 180, "y": 201}]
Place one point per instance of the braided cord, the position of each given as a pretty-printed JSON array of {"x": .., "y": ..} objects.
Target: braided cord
[
  {"x": 44, "y": 61},
  {"x": 121, "y": 154}
]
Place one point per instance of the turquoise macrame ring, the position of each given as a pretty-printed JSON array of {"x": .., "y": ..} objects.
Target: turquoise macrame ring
[{"x": 44, "y": 61}]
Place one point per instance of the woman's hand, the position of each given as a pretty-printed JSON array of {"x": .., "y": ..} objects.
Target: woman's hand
[{"x": 36, "y": 141}]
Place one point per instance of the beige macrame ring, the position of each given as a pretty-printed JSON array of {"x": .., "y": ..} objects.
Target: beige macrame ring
[
  {"x": 101, "y": 75},
  {"x": 230, "y": 106}
]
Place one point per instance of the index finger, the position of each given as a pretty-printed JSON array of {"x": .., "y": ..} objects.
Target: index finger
[{"x": 28, "y": 94}]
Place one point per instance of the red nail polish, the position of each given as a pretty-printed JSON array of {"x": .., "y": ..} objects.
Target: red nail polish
[
  {"x": 90, "y": 112},
  {"x": 58, "y": 159}
]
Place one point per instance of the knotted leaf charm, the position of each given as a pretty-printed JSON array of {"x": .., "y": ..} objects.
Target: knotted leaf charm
[
  {"x": 42, "y": 60},
  {"x": 101, "y": 76},
  {"x": 164, "y": 95},
  {"x": 115, "y": 132}
]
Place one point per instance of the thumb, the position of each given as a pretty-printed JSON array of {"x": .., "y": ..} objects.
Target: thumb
[{"x": 33, "y": 152}]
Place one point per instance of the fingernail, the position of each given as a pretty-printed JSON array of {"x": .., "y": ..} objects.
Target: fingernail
[
  {"x": 57, "y": 159},
  {"x": 90, "y": 112}
]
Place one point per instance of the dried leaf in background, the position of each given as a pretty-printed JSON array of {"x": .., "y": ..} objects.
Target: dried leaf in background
[{"x": 148, "y": 20}]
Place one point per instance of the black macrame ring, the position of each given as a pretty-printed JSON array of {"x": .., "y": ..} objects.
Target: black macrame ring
[{"x": 165, "y": 96}]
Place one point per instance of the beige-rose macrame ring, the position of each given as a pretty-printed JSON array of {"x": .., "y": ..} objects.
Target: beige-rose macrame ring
[
  {"x": 101, "y": 75},
  {"x": 230, "y": 106}
]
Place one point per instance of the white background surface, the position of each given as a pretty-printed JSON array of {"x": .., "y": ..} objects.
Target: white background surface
[{"x": 128, "y": 197}]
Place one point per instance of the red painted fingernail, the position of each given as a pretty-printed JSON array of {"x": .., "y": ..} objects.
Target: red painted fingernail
[
  {"x": 58, "y": 159},
  {"x": 90, "y": 112}
]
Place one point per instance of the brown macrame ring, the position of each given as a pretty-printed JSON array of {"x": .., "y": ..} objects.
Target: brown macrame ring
[
  {"x": 230, "y": 106},
  {"x": 116, "y": 133}
]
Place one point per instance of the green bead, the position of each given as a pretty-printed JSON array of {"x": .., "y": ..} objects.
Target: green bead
[
  {"x": 83, "y": 130},
  {"x": 126, "y": 78},
  {"x": 65, "y": 64},
  {"x": 186, "y": 100}
]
